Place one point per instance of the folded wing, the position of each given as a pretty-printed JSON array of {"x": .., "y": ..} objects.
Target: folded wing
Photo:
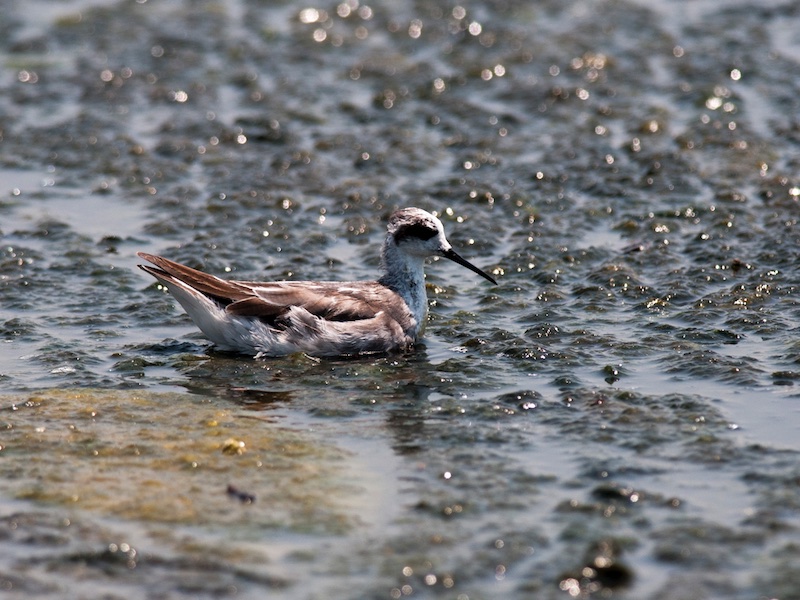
[{"x": 271, "y": 301}]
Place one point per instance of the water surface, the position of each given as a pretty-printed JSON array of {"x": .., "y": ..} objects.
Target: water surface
[{"x": 617, "y": 418}]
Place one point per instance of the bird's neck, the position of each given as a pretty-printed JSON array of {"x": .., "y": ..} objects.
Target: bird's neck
[{"x": 404, "y": 274}]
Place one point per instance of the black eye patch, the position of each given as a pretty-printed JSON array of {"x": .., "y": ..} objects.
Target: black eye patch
[{"x": 414, "y": 230}]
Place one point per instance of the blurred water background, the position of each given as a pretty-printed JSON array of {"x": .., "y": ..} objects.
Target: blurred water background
[{"x": 618, "y": 418}]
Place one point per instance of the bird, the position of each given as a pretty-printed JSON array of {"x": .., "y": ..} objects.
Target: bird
[{"x": 319, "y": 318}]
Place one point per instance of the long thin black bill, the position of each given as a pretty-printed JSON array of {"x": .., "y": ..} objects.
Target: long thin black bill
[{"x": 456, "y": 258}]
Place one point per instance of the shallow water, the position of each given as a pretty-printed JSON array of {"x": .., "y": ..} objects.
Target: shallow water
[{"x": 617, "y": 418}]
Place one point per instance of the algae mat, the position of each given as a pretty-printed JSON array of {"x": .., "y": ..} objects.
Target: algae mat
[{"x": 165, "y": 457}]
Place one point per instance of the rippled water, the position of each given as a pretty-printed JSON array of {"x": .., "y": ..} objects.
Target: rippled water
[{"x": 617, "y": 418}]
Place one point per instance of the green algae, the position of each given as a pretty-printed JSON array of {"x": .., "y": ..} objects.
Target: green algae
[{"x": 165, "y": 457}]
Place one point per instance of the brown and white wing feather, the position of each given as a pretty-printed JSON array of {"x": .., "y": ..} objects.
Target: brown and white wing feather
[
  {"x": 168, "y": 271},
  {"x": 326, "y": 301},
  {"x": 270, "y": 301}
]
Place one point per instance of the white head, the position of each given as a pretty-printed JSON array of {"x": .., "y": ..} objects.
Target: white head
[{"x": 416, "y": 233}]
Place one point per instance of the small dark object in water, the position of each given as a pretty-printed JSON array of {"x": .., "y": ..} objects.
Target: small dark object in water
[
  {"x": 602, "y": 572},
  {"x": 243, "y": 497},
  {"x": 737, "y": 265},
  {"x": 631, "y": 248}
]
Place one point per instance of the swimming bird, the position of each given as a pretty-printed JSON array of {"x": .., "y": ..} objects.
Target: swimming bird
[{"x": 319, "y": 318}]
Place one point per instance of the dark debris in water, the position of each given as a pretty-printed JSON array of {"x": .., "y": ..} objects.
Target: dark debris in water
[
  {"x": 109, "y": 560},
  {"x": 603, "y": 572},
  {"x": 241, "y": 496},
  {"x": 524, "y": 400}
]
